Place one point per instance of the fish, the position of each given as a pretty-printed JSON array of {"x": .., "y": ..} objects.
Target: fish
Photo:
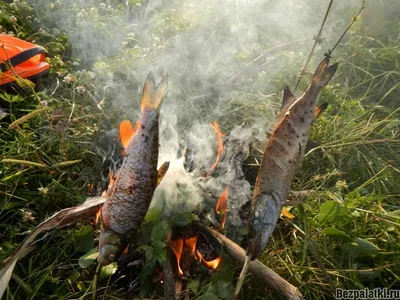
[
  {"x": 130, "y": 192},
  {"x": 282, "y": 157}
]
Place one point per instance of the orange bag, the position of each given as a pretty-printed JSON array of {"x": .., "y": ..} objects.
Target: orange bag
[{"x": 26, "y": 60}]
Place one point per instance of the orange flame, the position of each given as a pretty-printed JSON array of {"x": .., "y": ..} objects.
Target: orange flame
[
  {"x": 97, "y": 217},
  {"x": 212, "y": 264},
  {"x": 190, "y": 243},
  {"x": 177, "y": 247},
  {"x": 222, "y": 205},
  {"x": 91, "y": 188},
  {"x": 217, "y": 129}
]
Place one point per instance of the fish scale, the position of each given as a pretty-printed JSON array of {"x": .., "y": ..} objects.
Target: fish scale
[
  {"x": 281, "y": 159},
  {"x": 129, "y": 195}
]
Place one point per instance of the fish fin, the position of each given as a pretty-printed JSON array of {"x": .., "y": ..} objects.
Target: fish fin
[
  {"x": 286, "y": 213},
  {"x": 288, "y": 98},
  {"x": 162, "y": 171},
  {"x": 126, "y": 132},
  {"x": 318, "y": 110},
  {"x": 323, "y": 74},
  {"x": 153, "y": 95}
]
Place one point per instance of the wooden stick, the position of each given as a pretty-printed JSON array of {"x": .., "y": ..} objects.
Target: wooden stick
[
  {"x": 258, "y": 269},
  {"x": 317, "y": 39},
  {"x": 170, "y": 283}
]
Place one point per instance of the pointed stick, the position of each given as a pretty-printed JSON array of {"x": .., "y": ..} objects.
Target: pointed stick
[
  {"x": 317, "y": 39},
  {"x": 241, "y": 277}
]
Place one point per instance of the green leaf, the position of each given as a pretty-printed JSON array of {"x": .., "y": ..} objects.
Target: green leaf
[
  {"x": 333, "y": 232},
  {"x": 84, "y": 241},
  {"x": 360, "y": 248},
  {"x": 153, "y": 216},
  {"x": 331, "y": 211},
  {"x": 225, "y": 290},
  {"x": 108, "y": 270},
  {"x": 160, "y": 231},
  {"x": 185, "y": 218},
  {"x": 89, "y": 258},
  {"x": 193, "y": 285},
  {"x": 394, "y": 214},
  {"x": 210, "y": 294},
  {"x": 226, "y": 271},
  {"x": 146, "y": 278},
  {"x": 159, "y": 251},
  {"x": 11, "y": 98}
]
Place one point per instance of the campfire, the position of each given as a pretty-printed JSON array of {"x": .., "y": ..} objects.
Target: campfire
[
  {"x": 192, "y": 251},
  {"x": 197, "y": 207}
]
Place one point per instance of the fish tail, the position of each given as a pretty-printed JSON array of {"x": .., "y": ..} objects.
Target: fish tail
[
  {"x": 153, "y": 94},
  {"x": 324, "y": 73}
]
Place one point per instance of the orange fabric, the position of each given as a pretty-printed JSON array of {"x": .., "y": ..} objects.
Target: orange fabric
[{"x": 9, "y": 48}]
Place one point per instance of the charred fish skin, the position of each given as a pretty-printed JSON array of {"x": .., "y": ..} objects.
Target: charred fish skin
[
  {"x": 129, "y": 197},
  {"x": 282, "y": 157}
]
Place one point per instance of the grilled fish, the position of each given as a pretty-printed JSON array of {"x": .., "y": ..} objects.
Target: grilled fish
[
  {"x": 130, "y": 193},
  {"x": 282, "y": 157}
]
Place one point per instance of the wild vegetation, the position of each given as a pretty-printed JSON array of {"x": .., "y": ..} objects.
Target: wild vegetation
[{"x": 58, "y": 140}]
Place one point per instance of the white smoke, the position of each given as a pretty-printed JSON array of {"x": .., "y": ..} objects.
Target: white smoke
[{"x": 227, "y": 61}]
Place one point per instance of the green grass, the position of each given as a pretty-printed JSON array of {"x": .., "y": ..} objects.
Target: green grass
[{"x": 61, "y": 144}]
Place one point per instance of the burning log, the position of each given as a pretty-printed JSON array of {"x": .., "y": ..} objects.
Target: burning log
[{"x": 259, "y": 270}]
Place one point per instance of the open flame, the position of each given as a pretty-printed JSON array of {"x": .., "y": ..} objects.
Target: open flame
[
  {"x": 177, "y": 247},
  {"x": 190, "y": 243},
  {"x": 217, "y": 129},
  {"x": 97, "y": 217},
  {"x": 222, "y": 205},
  {"x": 212, "y": 264}
]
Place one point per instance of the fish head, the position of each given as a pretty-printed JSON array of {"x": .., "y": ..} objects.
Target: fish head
[
  {"x": 110, "y": 247},
  {"x": 258, "y": 242},
  {"x": 265, "y": 214}
]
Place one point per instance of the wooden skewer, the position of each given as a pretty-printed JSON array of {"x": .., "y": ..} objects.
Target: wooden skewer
[{"x": 258, "y": 269}]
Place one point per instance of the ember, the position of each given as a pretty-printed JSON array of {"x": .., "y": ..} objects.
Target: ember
[{"x": 222, "y": 205}]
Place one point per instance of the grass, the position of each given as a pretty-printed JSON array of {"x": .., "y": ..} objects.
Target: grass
[{"x": 57, "y": 141}]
